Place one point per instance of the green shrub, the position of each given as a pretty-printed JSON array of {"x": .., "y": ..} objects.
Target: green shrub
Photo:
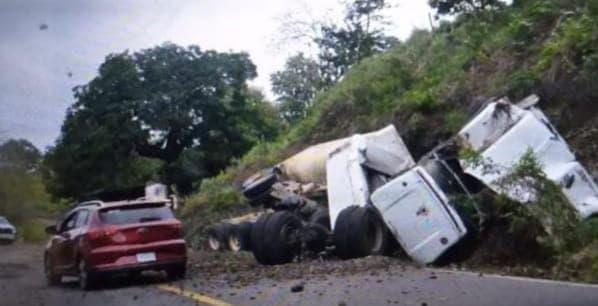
[
  {"x": 521, "y": 83},
  {"x": 32, "y": 231},
  {"x": 454, "y": 121}
]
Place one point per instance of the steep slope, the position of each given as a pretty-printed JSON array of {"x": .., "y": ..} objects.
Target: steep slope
[{"x": 429, "y": 85}]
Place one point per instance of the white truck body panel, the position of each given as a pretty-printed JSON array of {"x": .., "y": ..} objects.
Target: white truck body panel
[
  {"x": 418, "y": 214},
  {"x": 309, "y": 165},
  {"x": 503, "y": 137},
  {"x": 347, "y": 182}
]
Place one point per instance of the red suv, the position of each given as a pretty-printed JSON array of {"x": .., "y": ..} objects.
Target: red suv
[{"x": 98, "y": 239}]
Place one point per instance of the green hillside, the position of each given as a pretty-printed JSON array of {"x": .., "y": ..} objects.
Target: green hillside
[{"x": 430, "y": 84}]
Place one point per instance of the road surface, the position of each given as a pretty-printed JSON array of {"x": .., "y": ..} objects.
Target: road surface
[{"x": 22, "y": 283}]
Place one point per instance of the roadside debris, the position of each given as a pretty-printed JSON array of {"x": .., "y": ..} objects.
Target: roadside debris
[
  {"x": 365, "y": 195},
  {"x": 298, "y": 287}
]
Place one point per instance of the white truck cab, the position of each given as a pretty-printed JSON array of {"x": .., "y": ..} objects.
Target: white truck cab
[
  {"x": 502, "y": 133},
  {"x": 359, "y": 165},
  {"x": 419, "y": 212}
]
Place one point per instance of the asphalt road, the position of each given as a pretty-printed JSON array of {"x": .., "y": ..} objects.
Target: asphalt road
[{"x": 22, "y": 283}]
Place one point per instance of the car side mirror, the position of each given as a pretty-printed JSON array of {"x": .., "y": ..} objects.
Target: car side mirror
[{"x": 51, "y": 230}]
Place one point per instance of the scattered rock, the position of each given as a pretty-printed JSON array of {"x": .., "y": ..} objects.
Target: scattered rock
[{"x": 298, "y": 287}]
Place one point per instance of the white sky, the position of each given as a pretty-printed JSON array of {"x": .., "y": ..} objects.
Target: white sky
[{"x": 35, "y": 89}]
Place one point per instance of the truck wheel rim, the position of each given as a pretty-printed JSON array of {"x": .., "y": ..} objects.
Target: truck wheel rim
[
  {"x": 234, "y": 244},
  {"x": 214, "y": 243},
  {"x": 375, "y": 236}
]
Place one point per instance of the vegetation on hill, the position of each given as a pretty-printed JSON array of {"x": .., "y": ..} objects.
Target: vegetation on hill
[
  {"x": 429, "y": 85},
  {"x": 23, "y": 197}
]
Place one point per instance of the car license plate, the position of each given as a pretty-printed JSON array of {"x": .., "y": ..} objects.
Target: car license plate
[{"x": 146, "y": 257}]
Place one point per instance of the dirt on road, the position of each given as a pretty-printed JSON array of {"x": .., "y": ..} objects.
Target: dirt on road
[{"x": 219, "y": 279}]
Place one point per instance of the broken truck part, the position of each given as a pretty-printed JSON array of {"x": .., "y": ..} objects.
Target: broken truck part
[
  {"x": 418, "y": 207},
  {"x": 348, "y": 218},
  {"x": 362, "y": 164},
  {"x": 502, "y": 133}
]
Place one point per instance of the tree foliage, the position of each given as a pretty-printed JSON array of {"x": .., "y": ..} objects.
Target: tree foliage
[
  {"x": 339, "y": 47},
  {"x": 360, "y": 36},
  {"x": 452, "y": 7},
  {"x": 19, "y": 153},
  {"x": 171, "y": 112},
  {"x": 22, "y": 193},
  {"x": 296, "y": 87}
]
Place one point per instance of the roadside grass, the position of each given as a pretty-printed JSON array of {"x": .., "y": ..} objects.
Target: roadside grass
[{"x": 32, "y": 231}]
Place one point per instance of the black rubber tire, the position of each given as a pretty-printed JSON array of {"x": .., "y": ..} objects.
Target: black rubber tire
[
  {"x": 88, "y": 280},
  {"x": 322, "y": 217},
  {"x": 240, "y": 237},
  {"x": 257, "y": 239},
  {"x": 244, "y": 230},
  {"x": 318, "y": 237},
  {"x": 52, "y": 277},
  {"x": 358, "y": 232},
  {"x": 270, "y": 236},
  {"x": 256, "y": 188},
  {"x": 177, "y": 272},
  {"x": 220, "y": 233}
]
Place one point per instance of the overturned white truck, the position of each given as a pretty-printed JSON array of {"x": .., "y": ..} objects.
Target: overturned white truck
[{"x": 378, "y": 196}]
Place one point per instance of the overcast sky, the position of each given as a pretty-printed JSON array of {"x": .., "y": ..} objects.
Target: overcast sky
[{"x": 39, "y": 67}]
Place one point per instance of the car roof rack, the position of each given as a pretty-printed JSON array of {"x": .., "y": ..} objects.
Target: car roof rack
[{"x": 91, "y": 203}]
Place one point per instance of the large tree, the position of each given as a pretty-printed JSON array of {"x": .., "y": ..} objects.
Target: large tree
[
  {"x": 19, "y": 153},
  {"x": 361, "y": 35},
  {"x": 296, "y": 86},
  {"x": 170, "y": 112}
]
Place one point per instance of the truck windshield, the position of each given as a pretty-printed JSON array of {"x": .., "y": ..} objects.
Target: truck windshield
[{"x": 136, "y": 214}]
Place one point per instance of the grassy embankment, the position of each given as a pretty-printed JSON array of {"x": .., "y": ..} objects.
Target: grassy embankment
[{"x": 428, "y": 87}]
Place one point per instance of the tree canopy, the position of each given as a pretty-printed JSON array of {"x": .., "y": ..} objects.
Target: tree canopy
[
  {"x": 452, "y": 7},
  {"x": 359, "y": 37},
  {"x": 173, "y": 113},
  {"x": 296, "y": 86},
  {"x": 19, "y": 153}
]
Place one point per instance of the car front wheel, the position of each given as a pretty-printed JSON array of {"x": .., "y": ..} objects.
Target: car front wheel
[{"x": 52, "y": 278}]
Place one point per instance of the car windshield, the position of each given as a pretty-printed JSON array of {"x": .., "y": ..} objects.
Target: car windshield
[
  {"x": 137, "y": 214},
  {"x": 3, "y": 220}
]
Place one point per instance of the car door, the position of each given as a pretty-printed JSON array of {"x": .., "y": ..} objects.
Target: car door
[
  {"x": 60, "y": 241},
  {"x": 73, "y": 237}
]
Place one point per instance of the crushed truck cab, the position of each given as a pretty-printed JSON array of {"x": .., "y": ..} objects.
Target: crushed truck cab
[
  {"x": 419, "y": 215},
  {"x": 362, "y": 164},
  {"x": 502, "y": 133}
]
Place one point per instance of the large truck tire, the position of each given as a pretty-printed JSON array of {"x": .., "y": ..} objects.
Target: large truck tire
[
  {"x": 257, "y": 188},
  {"x": 240, "y": 237},
  {"x": 359, "y": 232},
  {"x": 322, "y": 217},
  {"x": 274, "y": 238},
  {"x": 218, "y": 235}
]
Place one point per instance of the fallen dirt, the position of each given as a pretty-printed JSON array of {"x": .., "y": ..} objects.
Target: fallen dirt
[{"x": 241, "y": 269}]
